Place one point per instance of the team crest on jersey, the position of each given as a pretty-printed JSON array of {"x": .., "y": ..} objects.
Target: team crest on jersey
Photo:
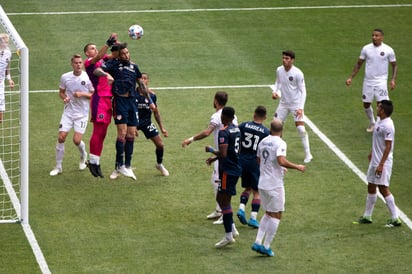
[
  {"x": 382, "y": 53},
  {"x": 291, "y": 78},
  {"x": 101, "y": 116},
  {"x": 221, "y": 139},
  {"x": 83, "y": 83}
]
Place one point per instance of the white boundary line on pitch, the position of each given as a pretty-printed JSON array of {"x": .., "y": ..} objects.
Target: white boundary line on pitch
[
  {"x": 314, "y": 128},
  {"x": 211, "y": 10}
]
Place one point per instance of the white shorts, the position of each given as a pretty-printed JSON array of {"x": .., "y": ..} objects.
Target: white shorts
[
  {"x": 2, "y": 97},
  {"x": 384, "y": 178},
  {"x": 79, "y": 124},
  {"x": 282, "y": 113},
  {"x": 377, "y": 92},
  {"x": 272, "y": 200},
  {"x": 215, "y": 175}
]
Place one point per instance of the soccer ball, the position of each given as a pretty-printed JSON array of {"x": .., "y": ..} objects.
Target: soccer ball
[{"x": 136, "y": 32}]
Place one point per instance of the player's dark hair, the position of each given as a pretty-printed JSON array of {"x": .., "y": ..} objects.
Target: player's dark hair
[
  {"x": 387, "y": 107},
  {"x": 122, "y": 46},
  {"x": 260, "y": 112},
  {"x": 221, "y": 97},
  {"x": 228, "y": 112},
  {"x": 379, "y": 30},
  {"x": 86, "y": 46},
  {"x": 289, "y": 53}
]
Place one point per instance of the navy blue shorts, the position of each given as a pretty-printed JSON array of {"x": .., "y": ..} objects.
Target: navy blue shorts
[
  {"x": 227, "y": 183},
  {"x": 250, "y": 173},
  {"x": 125, "y": 111},
  {"x": 149, "y": 130}
]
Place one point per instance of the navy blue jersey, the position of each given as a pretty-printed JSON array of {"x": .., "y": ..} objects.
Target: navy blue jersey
[
  {"x": 251, "y": 135},
  {"x": 230, "y": 136},
  {"x": 125, "y": 76},
  {"x": 145, "y": 113}
]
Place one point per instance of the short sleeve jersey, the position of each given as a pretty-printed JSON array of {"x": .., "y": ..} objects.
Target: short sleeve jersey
[
  {"x": 292, "y": 85},
  {"x": 252, "y": 134},
  {"x": 271, "y": 173},
  {"x": 143, "y": 106},
  {"x": 216, "y": 122},
  {"x": 78, "y": 106},
  {"x": 377, "y": 62},
  {"x": 384, "y": 131},
  {"x": 230, "y": 136},
  {"x": 100, "y": 84},
  {"x": 5, "y": 57},
  {"x": 125, "y": 76}
]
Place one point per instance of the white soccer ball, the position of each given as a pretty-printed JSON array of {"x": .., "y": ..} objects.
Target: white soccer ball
[{"x": 136, "y": 32}]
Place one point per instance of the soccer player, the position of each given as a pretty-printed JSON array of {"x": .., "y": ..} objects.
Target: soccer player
[
  {"x": 378, "y": 56},
  {"x": 101, "y": 101},
  {"x": 75, "y": 90},
  {"x": 272, "y": 161},
  {"x": 252, "y": 133},
  {"x": 380, "y": 165},
  {"x": 229, "y": 171},
  {"x": 219, "y": 102},
  {"x": 124, "y": 74},
  {"x": 291, "y": 82},
  {"x": 5, "y": 58},
  {"x": 147, "y": 126}
]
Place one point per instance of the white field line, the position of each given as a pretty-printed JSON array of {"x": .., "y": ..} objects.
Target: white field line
[{"x": 211, "y": 10}]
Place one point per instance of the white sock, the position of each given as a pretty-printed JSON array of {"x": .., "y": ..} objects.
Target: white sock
[
  {"x": 390, "y": 203},
  {"x": 59, "y": 154},
  {"x": 273, "y": 225},
  {"x": 82, "y": 149},
  {"x": 262, "y": 229},
  {"x": 242, "y": 206},
  {"x": 305, "y": 138},
  {"x": 370, "y": 204},
  {"x": 253, "y": 215},
  {"x": 94, "y": 159},
  {"x": 369, "y": 114}
]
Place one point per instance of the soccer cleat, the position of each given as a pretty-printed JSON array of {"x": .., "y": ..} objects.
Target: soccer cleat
[
  {"x": 370, "y": 128},
  {"x": 82, "y": 163},
  {"x": 99, "y": 172},
  {"x": 241, "y": 215},
  {"x": 114, "y": 175},
  {"x": 253, "y": 223},
  {"x": 257, "y": 247},
  {"x": 365, "y": 220},
  {"x": 224, "y": 242},
  {"x": 308, "y": 158},
  {"x": 266, "y": 251},
  {"x": 56, "y": 171},
  {"x": 218, "y": 221},
  {"x": 162, "y": 169},
  {"x": 393, "y": 222},
  {"x": 214, "y": 215},
  {"x": 127, "y": 172},
  {"x": 92, "y": 168},
  {"x": 235, "y": 233}
]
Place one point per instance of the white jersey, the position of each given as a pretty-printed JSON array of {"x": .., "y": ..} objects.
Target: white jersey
[
  {"x": 216, "y": 121},
  {"x": 78, "y": 106},
  {"x": 292, "y": 85},
  {"x": 377, "y": 62},
  {"x": 384, "y": 131},
  {"x": 271, "y": 173},
  {"x": 5, "y": 57}
]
